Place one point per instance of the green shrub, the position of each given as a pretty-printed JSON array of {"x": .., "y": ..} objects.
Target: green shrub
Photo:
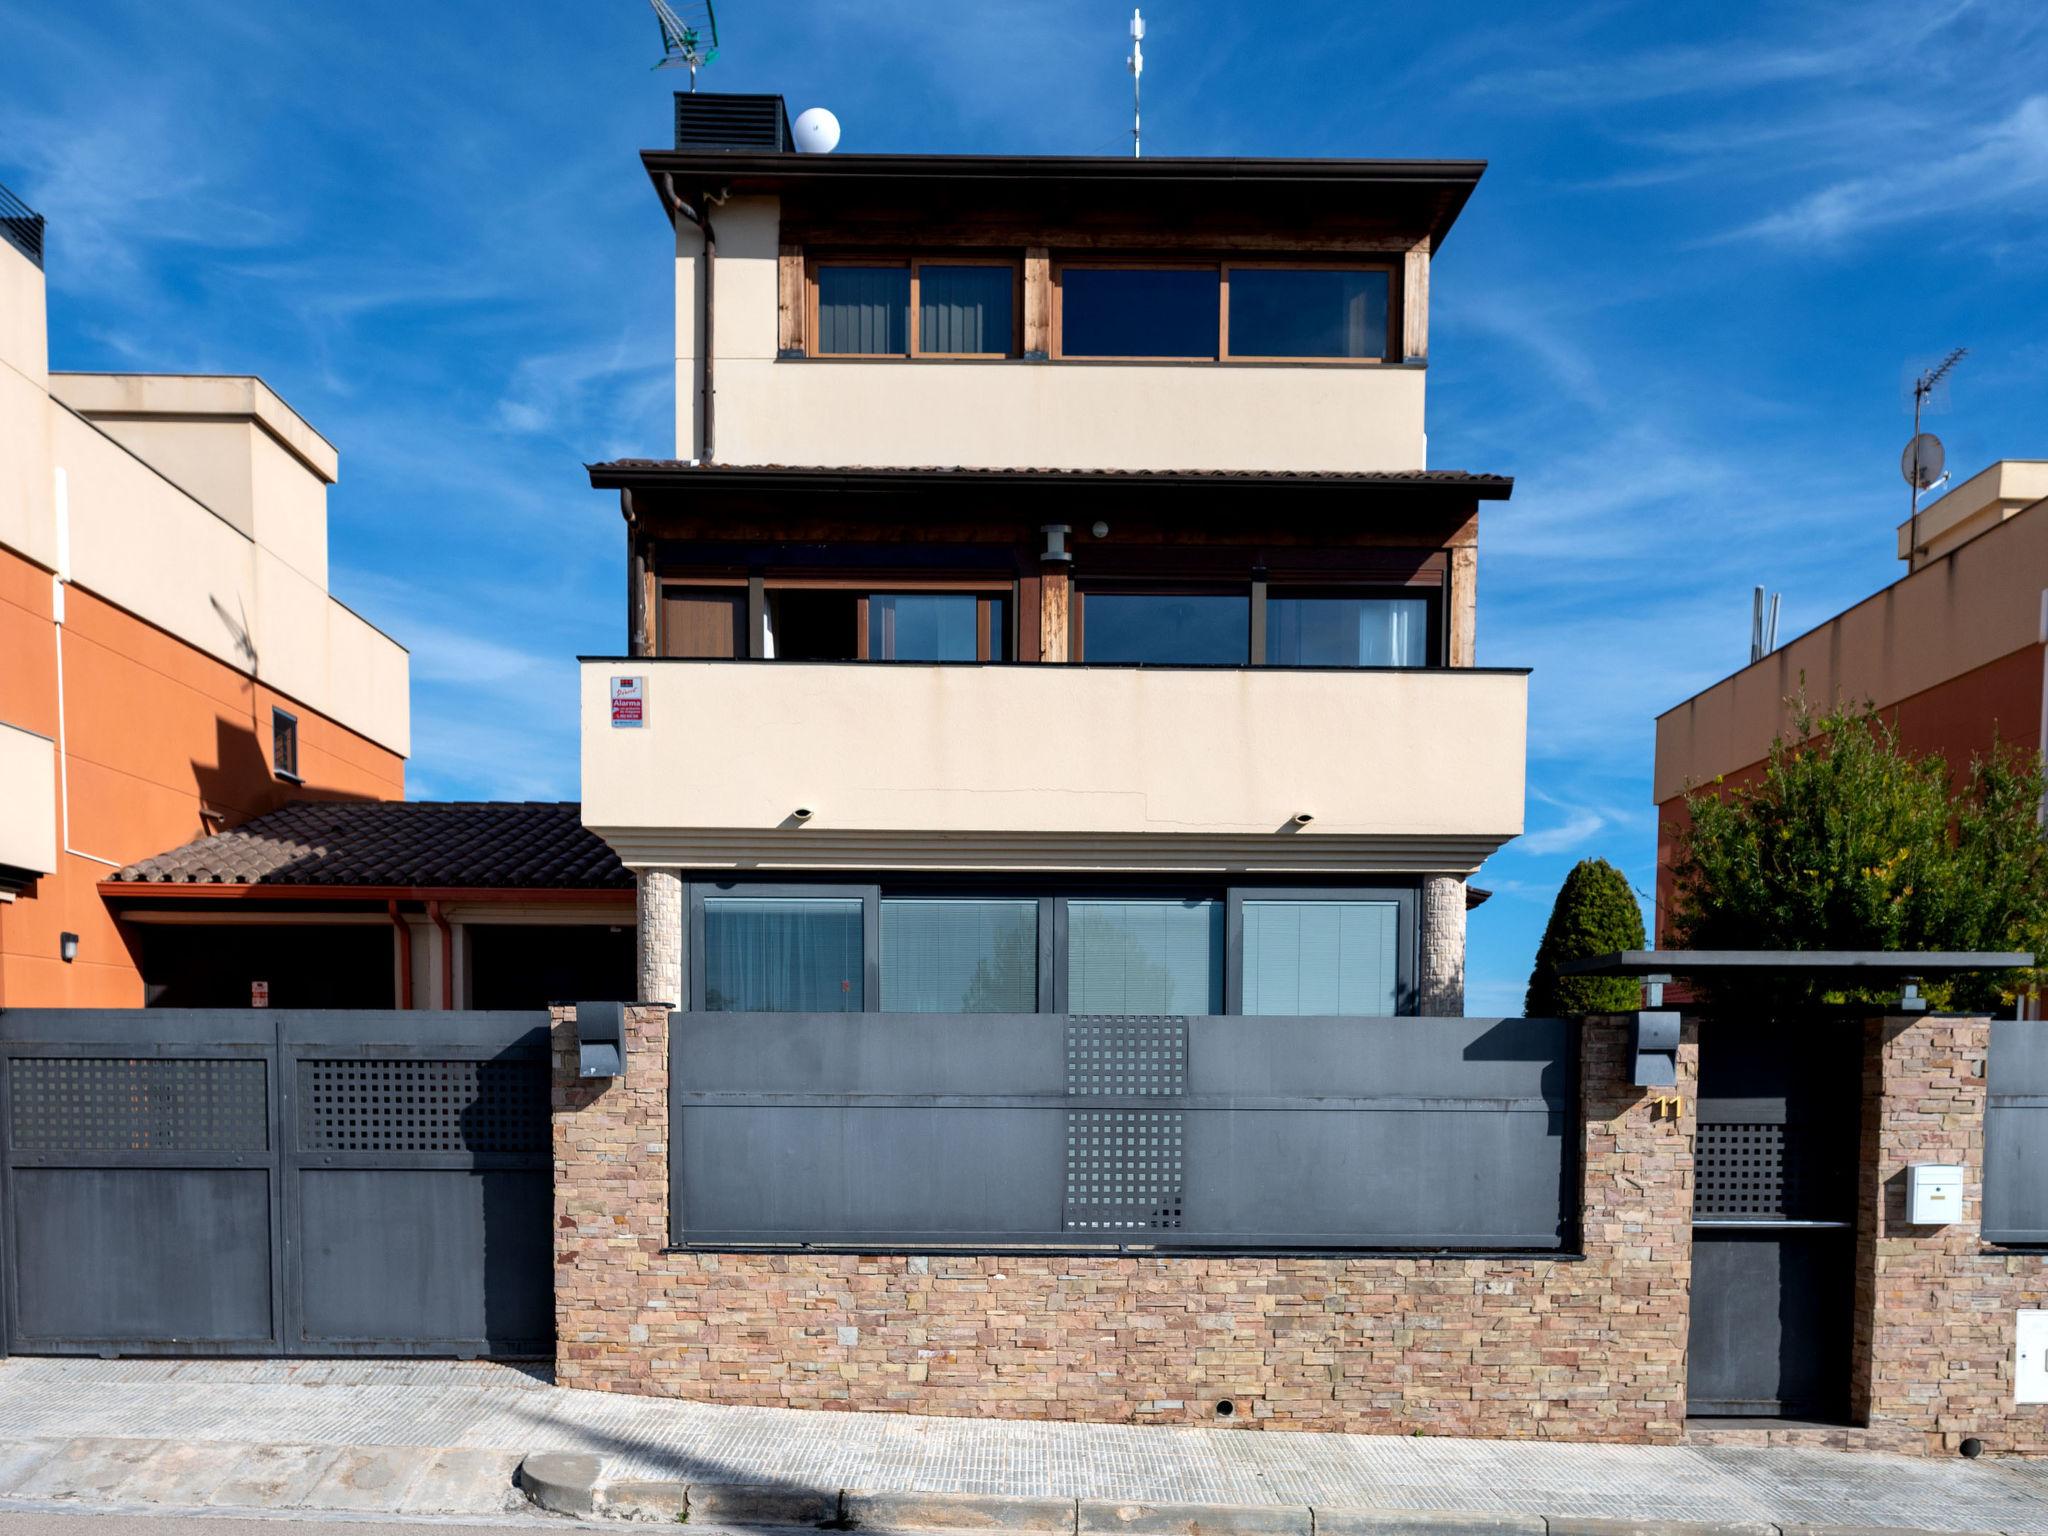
[{"x": 1595, "y": 914}]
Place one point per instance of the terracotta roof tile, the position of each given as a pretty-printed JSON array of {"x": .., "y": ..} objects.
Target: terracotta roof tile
[{"x": 516, "y": 845}]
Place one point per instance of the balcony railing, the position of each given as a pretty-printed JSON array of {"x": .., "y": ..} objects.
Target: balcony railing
[
  {"x": 21, "y": 226},
  {"x": 790, "y": 765}
]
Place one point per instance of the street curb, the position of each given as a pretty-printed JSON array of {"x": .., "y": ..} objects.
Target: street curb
[{"x": 567, "y": 1484}]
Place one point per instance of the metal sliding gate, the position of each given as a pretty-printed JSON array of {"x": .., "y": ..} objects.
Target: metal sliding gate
[{"x": 248, "y": 1182}]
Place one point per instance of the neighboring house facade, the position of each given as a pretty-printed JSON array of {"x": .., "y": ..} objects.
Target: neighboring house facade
[
  {"x": 1953, "y": 652},
  {"x": 383, "y": 904},
  {"x": 174, "y": 661},
  {"x": 1049, "y": 605}
]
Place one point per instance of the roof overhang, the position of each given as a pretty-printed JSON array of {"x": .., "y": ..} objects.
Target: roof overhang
[
  {"x": 1417, "y": 490},
  {"x": 1405, "y": 199}
]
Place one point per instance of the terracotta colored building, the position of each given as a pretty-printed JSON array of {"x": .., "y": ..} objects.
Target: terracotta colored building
[
  {"x": 173, "y": 661},
  {"x": 1952, "y": 651}
]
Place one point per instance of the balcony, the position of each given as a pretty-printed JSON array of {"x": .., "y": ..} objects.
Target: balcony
[{"x": 791, "y": 766}]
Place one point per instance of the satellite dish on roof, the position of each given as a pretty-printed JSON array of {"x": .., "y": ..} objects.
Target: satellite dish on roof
[{"x": 1922, "y": 460}]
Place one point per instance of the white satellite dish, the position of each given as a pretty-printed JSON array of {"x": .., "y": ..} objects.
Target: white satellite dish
[
  {"x": 1921, "y": 462},
  {"x": 816, "y": 131}
]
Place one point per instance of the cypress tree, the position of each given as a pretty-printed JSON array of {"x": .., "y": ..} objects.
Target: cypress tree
[{"x": 1595, "y": 914}]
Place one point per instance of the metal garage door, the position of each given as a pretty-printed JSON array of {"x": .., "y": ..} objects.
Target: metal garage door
[{"x": 246, "y": 1182}]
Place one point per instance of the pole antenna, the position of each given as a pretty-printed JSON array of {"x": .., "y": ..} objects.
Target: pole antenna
[
  {"x": 1924, "y": 460},
  {"x": 1137, "y": 66},
  {"x": 688, "y": 40}
]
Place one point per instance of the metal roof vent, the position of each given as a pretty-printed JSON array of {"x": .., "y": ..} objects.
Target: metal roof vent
[{"x": 713, "y": 121}]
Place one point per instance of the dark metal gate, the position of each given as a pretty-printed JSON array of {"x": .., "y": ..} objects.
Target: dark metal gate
[
  {"x": 246, "y": 1182},
  {"x": 1774, "y": 1209}
]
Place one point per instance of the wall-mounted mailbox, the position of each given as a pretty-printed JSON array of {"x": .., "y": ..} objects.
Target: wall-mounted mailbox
[
  {"x": 1934, "y": 1194},
  {"x": 601, "y": 1039},
  {"x": 1656, "y": 1050}
]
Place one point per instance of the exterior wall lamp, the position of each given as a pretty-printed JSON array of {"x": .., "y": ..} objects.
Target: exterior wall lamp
[{"x": 67, "y": 946}]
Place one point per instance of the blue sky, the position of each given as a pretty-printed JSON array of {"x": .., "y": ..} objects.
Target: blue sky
[{"x": 1682, "y": 308}]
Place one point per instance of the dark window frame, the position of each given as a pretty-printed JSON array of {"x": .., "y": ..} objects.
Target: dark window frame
[
  {"x": 914, "y": 264},
  {"x": 1431, "y": 592},
  {"x": 1390, "y": 332},
  {"x": 1049, "y": 917},
  {"x": 1223, "y": 266},
  {"x": 1408, "y": 941},
  {"x": 870, "y": 929},
  {"x": 284, "y": 744},
  {"x": 1127, "y": 586}
]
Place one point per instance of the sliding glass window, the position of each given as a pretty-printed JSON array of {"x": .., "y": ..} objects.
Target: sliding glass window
[
  {"x": 1321, "y": 957},
  {"x": 1139, "y": 312},
  {"x": 1308, "y": 312},
  {"x": 1335, "y": 630},
  {"x": 1144, "y": 956},
  {"x": 783, "y": 954},
  {"x": 915, "y": 308},
  {"x": 1166, "y": 628},
  {"x": 959, "y": 956},
  {"x": 926, "y": 626}
]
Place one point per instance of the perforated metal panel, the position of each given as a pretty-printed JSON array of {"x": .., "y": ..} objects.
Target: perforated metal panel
[
  {"x": 1741, "y": 1170},
  {"x": 423, "y": 1106},
  {"x": 1121, "y": 1056},
  {"x": 1124, "y": 1170},
  {"x": 116, "y": 1104}
]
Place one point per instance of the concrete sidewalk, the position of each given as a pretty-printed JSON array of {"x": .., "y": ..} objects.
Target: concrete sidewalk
[{"x": 445, "y": 1436}]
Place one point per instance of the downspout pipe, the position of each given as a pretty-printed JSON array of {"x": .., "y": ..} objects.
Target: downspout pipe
[
  {"x": 447, "y": 955},
  {"x": 682, "y": 210},
  {"x": 636, "y": 580},
  {"x": 403, "y": 934}
]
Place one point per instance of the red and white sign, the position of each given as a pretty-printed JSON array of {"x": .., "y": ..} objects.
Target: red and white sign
[
  {"x": 259, "y": 994},
  {"x": 629, "y": 703}
]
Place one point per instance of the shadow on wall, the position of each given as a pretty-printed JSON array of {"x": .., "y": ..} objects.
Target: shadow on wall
[{"x": 238, "y": 785}]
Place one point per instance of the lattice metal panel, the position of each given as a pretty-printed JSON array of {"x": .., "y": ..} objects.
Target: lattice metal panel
[
  {"x": 1742, "y": 1170},
  {"x": 423, "y": 1106},
  {"x": 1126, "y": 1057},
  {"x": 1123, "y": 1170},
  {"x": 118, "y": 1104}
]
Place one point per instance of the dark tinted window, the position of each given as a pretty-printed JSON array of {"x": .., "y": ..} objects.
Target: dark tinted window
[
  {"x": 764, "y": 955},
  {"x": 964, "y": 309},
  {"x": 1283, "y": 312},
  {"x": 1139, "y": 311},
  {"x": 1347, "y": 631},
  {"x": 1184, "y": 628},
  {"x": 864, "y": 310},
  {"x": 923, "y": 626}
]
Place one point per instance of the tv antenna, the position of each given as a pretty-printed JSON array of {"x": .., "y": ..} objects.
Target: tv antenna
[
  {"x": 1921, "y": 462},
  {"x": 684, "y": 43},
  {"x": 1136, "y": 62}
]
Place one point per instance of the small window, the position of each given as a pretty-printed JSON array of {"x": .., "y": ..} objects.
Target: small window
[
  {"x": 1337, "y": 630},
  {"x": 1308, "y": 312},
  {"x": 1144, "y": 957},
  {"x": 1166, "y": 628},
  {"x": 1321, "y": 957},
  {"x": 284, "y": 744},
  {"x": 1168, "y": 312},
  {"x": 864, "y": 311},
  {"x": 783, "y": 954},
  {"x": 959, "y": 956}
]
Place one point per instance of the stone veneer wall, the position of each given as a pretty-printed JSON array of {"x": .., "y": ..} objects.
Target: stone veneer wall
[
  {"x": 660, "y": 941},
  {"x": 1591, "y": 1348},
  {"x": 1442, "y": 983},
  {"x": 1934, "y": 1307}
]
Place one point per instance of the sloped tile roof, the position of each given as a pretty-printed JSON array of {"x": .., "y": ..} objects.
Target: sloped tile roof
[
  {"x": 1454, "y": 478},
  {"x": 515, "y": 845}
]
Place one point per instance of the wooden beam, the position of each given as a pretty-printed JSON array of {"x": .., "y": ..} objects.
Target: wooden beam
[
  {"x": 1415, "y": 304},
  {"x": 1037, "y": 302},
  {"x": 791, "y": 301},
  {"x": 1054, "y": 589},
  {"x": 1464, "y": 600}
]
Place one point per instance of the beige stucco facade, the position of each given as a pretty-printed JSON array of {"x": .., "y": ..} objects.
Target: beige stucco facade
[
  {"x": 198, "y": 504},
  {"x": 1013, "y": 413},
  {"x": 997, "y": 768}
]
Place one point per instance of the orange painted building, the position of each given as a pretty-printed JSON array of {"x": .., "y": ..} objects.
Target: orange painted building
[
  {"x": 1955, "y": 652},
  {"x": 171, "y": 663}
]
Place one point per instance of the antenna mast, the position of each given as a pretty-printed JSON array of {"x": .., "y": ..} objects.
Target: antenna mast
[
  {"x": 691, "y": 43},
  {"x": 1923, "y": 387},
  {"x": 1137, "y": 66}
]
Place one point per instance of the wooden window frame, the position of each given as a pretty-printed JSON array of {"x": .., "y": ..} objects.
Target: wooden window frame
[
  {"x": 1390, "y": 328},
  {"x": 284, "y": 726},
  {"x": 1140, "y": 586},
  {"x": 916, "y": 265},
  {"x": 988, "y": 589},
  {"x": 1223, "y": 266},
  {"x": 1430, "y": 590},
  {"x": 664, "y": 583}
]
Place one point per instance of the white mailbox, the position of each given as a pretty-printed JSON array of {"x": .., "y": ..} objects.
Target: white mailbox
[{"x": 1934, "y": 1194}]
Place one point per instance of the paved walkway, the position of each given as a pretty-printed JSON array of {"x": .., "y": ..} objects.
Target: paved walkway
[{"x": 475, "y": 1420}]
